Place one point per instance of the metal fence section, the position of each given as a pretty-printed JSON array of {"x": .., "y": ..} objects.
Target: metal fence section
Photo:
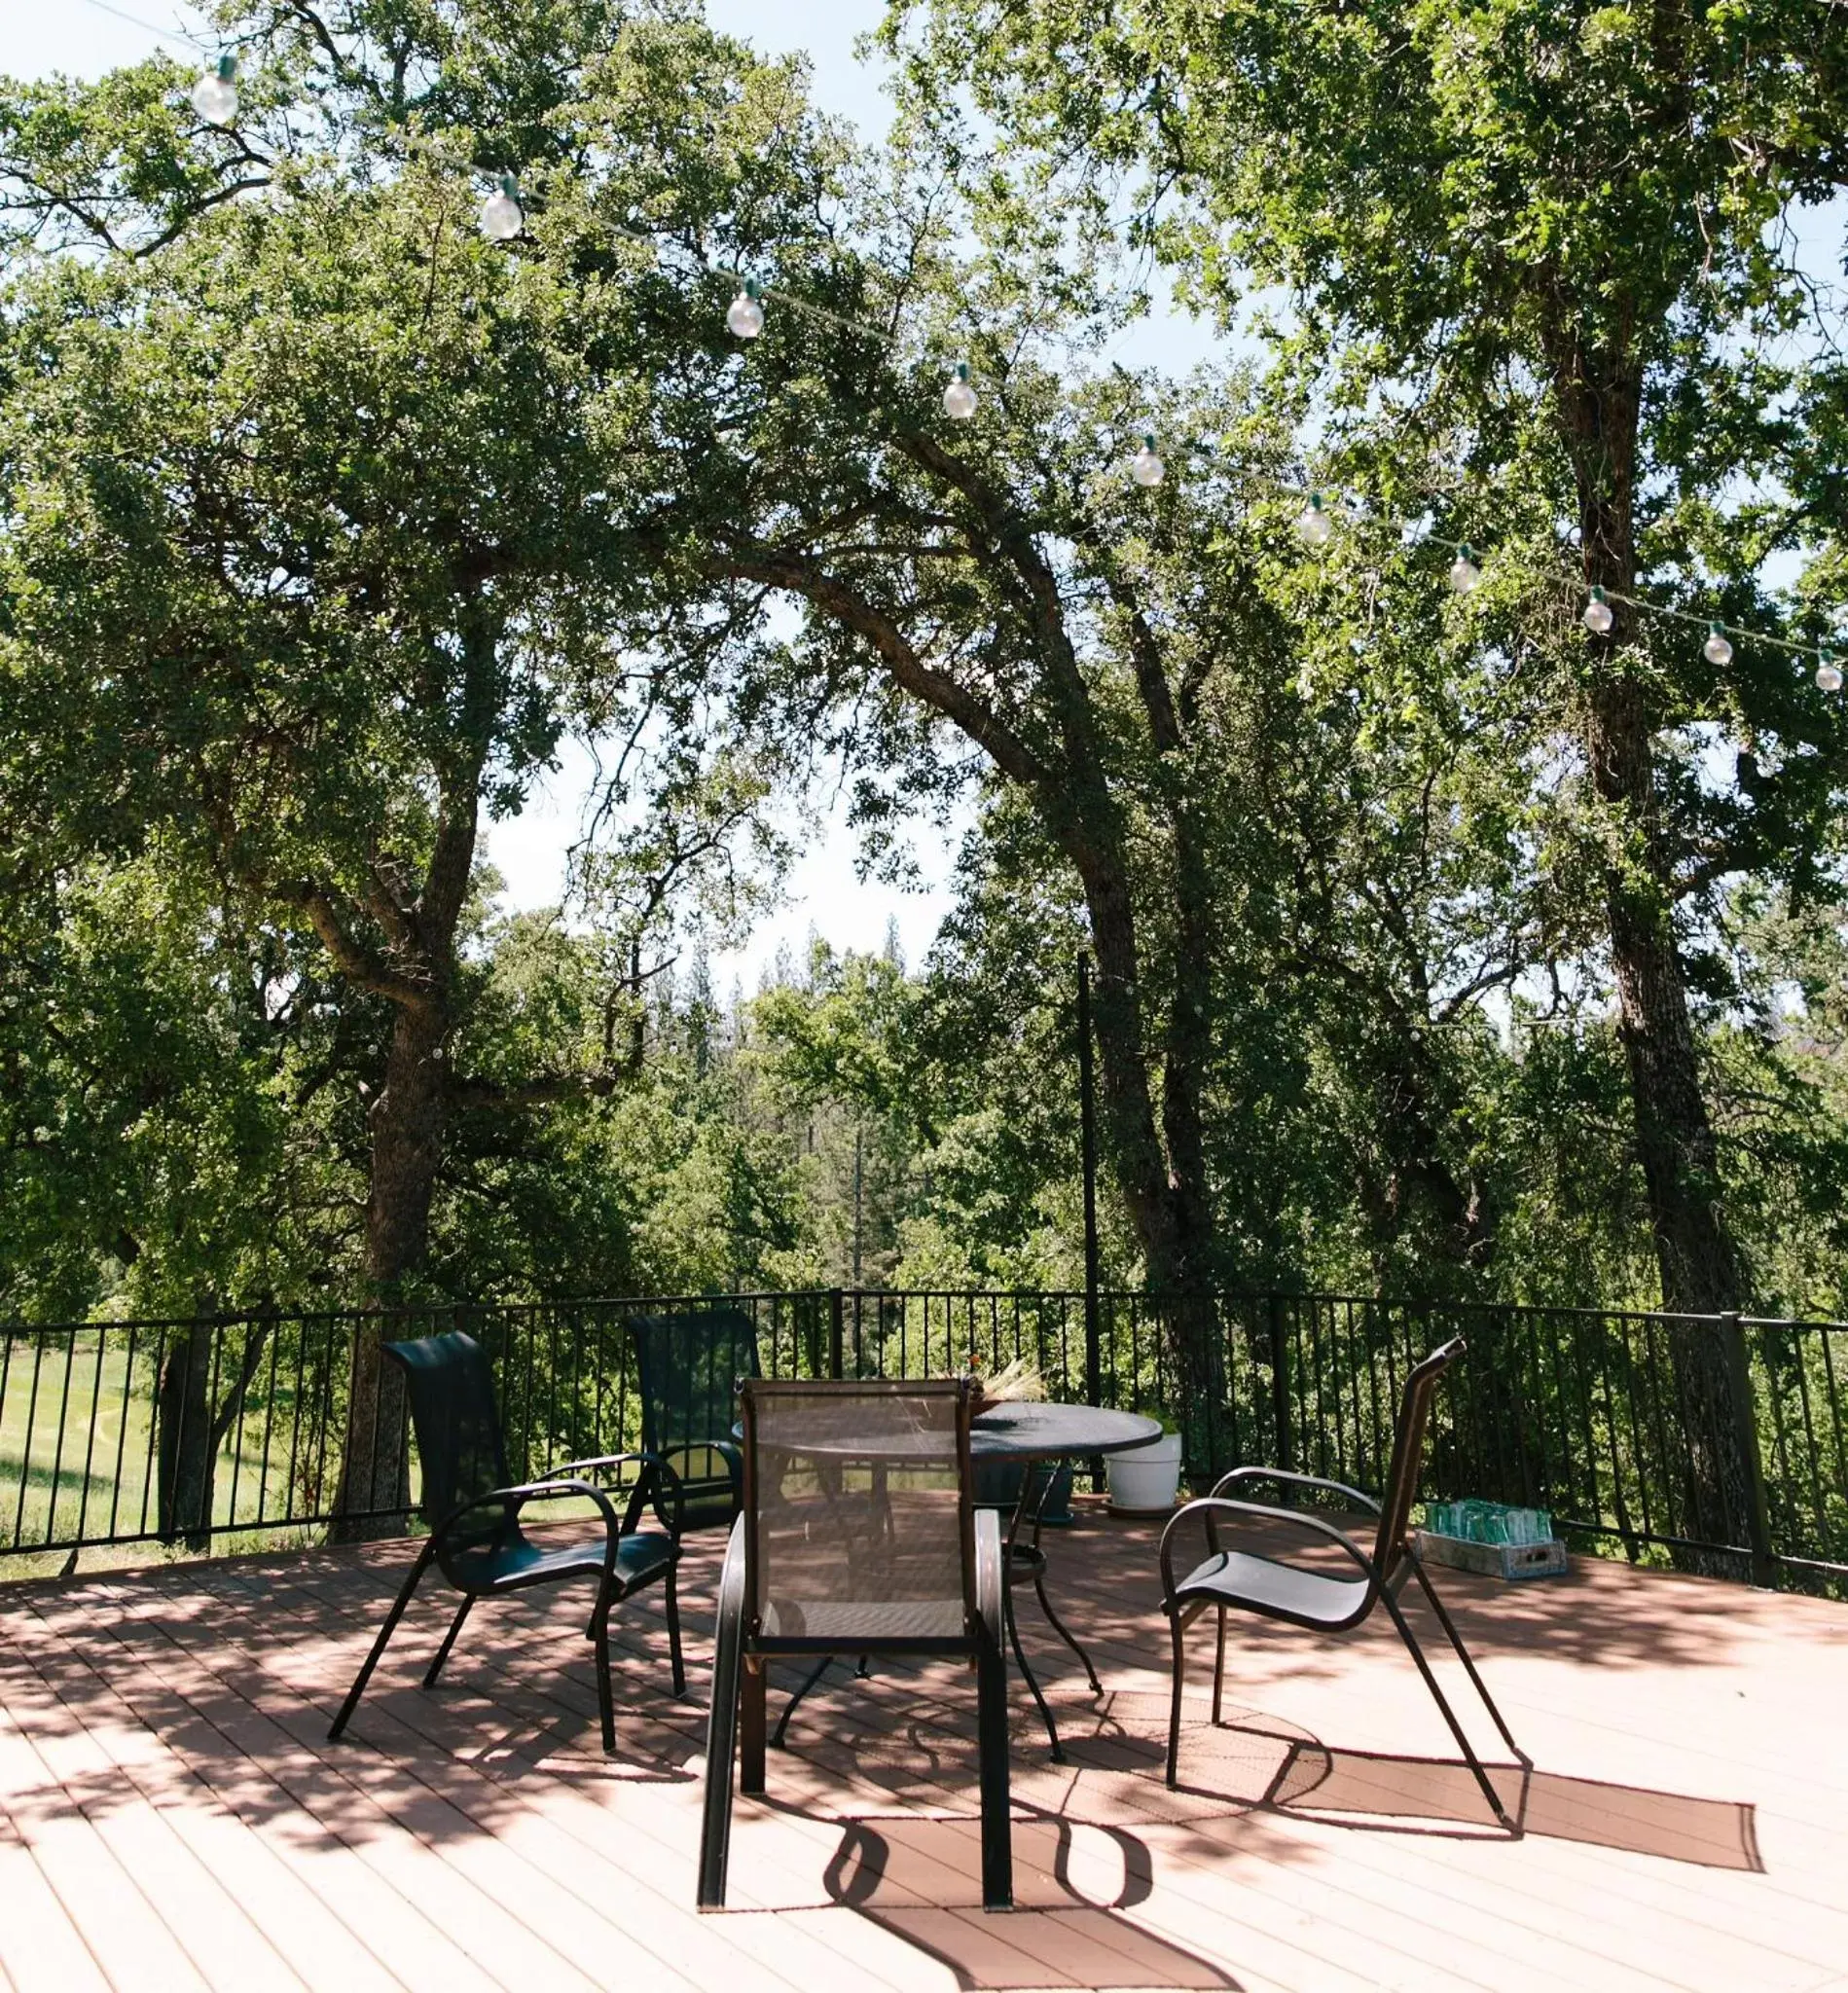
[{"x": 194, "y": 1432}]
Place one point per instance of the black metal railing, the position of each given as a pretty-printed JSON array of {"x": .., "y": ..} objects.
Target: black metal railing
[{"x": 202, "y": 1431}]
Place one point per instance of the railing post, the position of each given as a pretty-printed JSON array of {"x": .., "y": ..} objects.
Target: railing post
[
  {"x": 837, "y": 1334},
  {"x": 1758, "y": 1515},
  {"x": 1285, "y": 1423},
  {"x": 1088, "y": 1157}
]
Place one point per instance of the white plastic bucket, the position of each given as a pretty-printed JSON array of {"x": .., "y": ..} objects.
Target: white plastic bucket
[{"x": 1146, "y": 1480}]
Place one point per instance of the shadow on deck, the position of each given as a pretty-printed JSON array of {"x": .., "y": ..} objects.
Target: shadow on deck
[{"x": 171, "y": 1812}]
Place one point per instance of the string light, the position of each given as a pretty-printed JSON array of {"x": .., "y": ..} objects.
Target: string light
[
  {"x": 1147, "y": 466},
  {"x": 1463, "y": 571},
  {"x": 1598, "y": 617},
  {"x": 958, "y": 398},
  {"x": 1717, "y": 651},
  {"x": 502, "y": 216},
  {"x": 744, "y": 315},
  {"x": 1313, "y": 523},
  {"x": 215, "y": 93},
  {"x": 1829, "y": 672}
]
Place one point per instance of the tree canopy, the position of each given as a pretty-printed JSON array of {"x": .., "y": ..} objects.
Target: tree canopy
[{"x": 1442, "y": 945}]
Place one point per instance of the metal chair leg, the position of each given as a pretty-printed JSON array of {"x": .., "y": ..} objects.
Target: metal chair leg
[
  {"x": 386, "y": 1632},
  {"x": 1218, "y": 1666},
  {"x": 449, "y": 1641},
  {"x": 1179, "y": 1632},
  {"x": 751, "y": 1695},
  {"x": 721, "y": 1726},
  {"x": 1469, "y": 1666},
  {"x": 998, "y": 1846},
  {"x": 605, "y": 1699},
  {"x": 992, "y": 1592},
  {"x": 1456, "y": 1730},
  {"x": 674, "y": 1633}
]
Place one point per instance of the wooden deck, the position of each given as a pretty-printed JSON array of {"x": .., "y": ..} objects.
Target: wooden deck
[{"x": 172, "y": 1814}]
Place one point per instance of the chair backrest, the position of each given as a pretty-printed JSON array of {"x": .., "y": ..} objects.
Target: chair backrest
[
  {"x": 859, "y": 1515},
  {"x": 1408, "y": 1456},
  {"x": 689, "y": 1367},
  {"x": 460, "y": 1453}
]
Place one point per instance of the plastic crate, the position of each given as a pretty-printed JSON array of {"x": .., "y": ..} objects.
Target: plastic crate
[{"x": 1515, "y": 1561}]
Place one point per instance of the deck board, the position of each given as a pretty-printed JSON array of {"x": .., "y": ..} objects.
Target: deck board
[{"x": 172, "y": 1815}]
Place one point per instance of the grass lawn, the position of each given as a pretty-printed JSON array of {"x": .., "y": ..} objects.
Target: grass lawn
[{"x": 77, "y": 1442}]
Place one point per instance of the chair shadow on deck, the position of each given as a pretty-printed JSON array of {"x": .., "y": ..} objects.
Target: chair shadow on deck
[
  {"x": 1073, "y": 1882},
  {"x": 1255, "y": 1763}
]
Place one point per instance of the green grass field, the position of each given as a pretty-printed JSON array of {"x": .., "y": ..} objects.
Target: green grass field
[{"x": 77, "y": 1444}]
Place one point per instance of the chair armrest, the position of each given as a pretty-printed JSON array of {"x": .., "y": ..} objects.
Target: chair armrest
[
  {"x": 1209, "y": 1505},
  {"x": 1284, "y": 1474},
  {"x": 991, "y": 1574},
  {"x": 516, "y": 1498},
  {"x": 655, "y": 1471}
]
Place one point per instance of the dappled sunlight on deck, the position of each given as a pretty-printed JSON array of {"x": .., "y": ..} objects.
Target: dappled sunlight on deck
[{"x": 175, "y": 1816}]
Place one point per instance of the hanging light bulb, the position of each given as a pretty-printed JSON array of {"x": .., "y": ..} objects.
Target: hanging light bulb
[
  {"x": 1829, "y": 672},
  {"x": 1597, "y": 618},
  {"x": 1313, "y": 523},
  {"x": 1145, "y": 466},
  {"x": 502, "y": 216},
  {"x": 215, "y": 93},
  {"x": 1463, "y": 571},
  {"x": 744, "y": 315},
  {"x": 1717, "y": 651},
  {"x": 958, "y": 398}
]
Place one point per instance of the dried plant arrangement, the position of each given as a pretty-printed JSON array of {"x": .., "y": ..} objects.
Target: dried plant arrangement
[{"x": 1018, "y": 1383}]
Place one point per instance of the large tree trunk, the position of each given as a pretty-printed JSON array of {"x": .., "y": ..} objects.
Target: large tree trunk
[
  {"x": 183, "y": 1409},
  {"x": 1695, "y": 1256},
  {"x": 408, "y": 1117},
  {"x": 203, "y": 1356}
]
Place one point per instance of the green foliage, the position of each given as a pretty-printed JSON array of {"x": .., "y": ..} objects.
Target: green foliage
[{"x": 327, "y": 523}]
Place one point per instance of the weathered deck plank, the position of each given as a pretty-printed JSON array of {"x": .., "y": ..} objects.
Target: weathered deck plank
[{"x": 172, "y": 1814}]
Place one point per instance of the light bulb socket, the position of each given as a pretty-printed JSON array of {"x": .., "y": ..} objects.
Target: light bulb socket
[
  {"x": 1315, "y": 501},
  {"x": 1718, "y": 629},
  {"x": 1596, "y": 593},
  {"x": 510, "y": 187},
  {"x": 961, "y": 371},
  {"x": 227, "y": 69},
  {"x": 751, "y": 288},
  {"x": 1466, "y": 551}
]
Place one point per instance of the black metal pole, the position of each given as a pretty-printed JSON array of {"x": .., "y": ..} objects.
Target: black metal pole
[{"x": 1088, "y": 1129}]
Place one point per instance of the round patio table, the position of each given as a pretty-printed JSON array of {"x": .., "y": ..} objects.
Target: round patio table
[{"x": 1031, "y": 1433}]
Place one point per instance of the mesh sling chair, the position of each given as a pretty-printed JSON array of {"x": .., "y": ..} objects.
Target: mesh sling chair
[
  {"x": 689, "y": 1367},
  {"x": 858, "y": 1535},
  {"x": 1322, "y": 1604},
  {"x": 473, "y": 1506}
]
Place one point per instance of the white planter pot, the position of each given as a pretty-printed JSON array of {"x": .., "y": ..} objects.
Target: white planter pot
[{"x": 1146, "y": 1480}]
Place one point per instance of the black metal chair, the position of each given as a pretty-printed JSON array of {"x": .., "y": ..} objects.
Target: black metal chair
[
  {"x": 473, "y": 1511},
  {"x": 1315, "y": 1600},
  {"x": 858, "y": 1535},
  {"x": 689, "y": 1367}
]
